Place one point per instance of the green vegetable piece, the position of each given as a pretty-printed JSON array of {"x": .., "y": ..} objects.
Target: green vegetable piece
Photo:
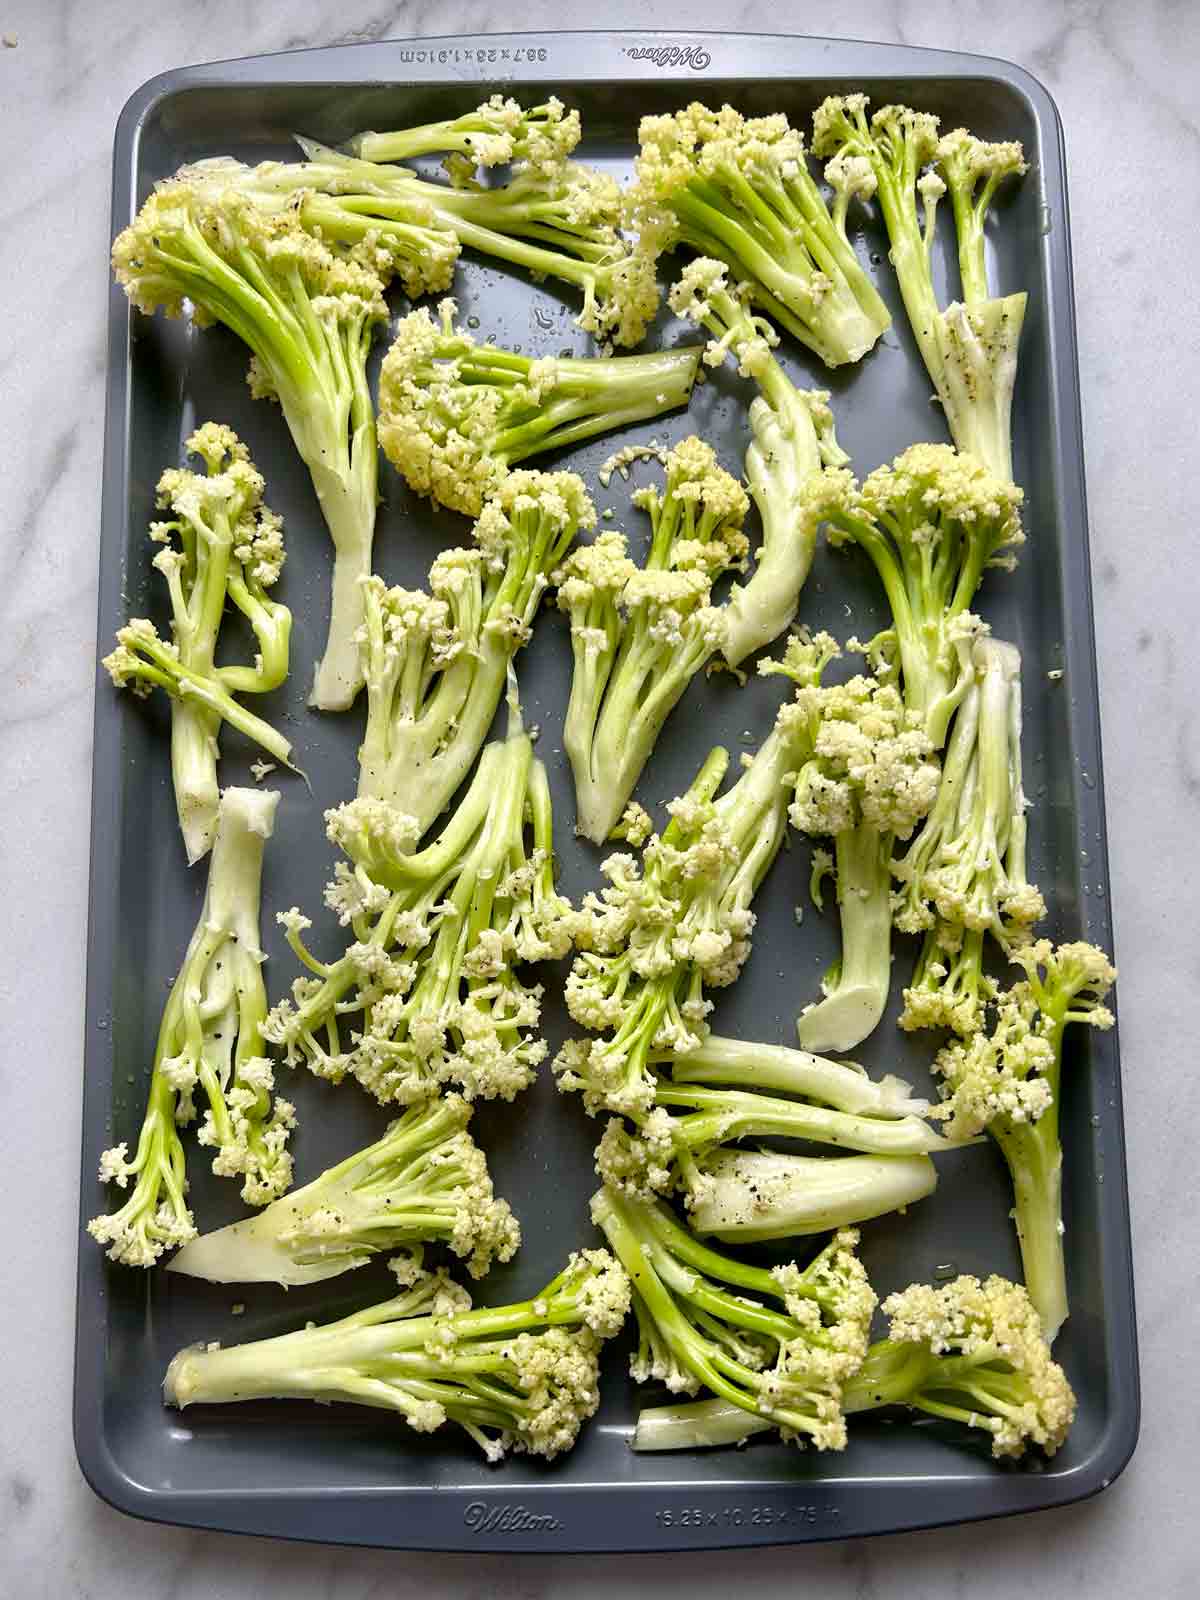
[
  {"x": 220, "y": 544},
  {"x": 455, "y": 415},
  {"x": 425, "y": 1181},
  {"x": 932, "y": 523},
  {"x": 211, "y": 1039},
  {"x": 747, "y": 1196},
  {"x": 739, "y": 190},
  {"x": 658, "y": 935},
  {"x": 676, "y": 1143},
  {"x": 868, "y": 782},
  {"x": 554, "y": 218},
  {"x": 496, "y": 133},
  {"x": 427, "y": 993},
  {"x": 307, "y": 309},
  {"x": 639, "y": 635},
  {"x": 793, "y": 443},
  {"x": 520, "y": 1377},
  {"x": 707, "y": 1322},
  {"x": 1008, "y": 1082},
  {"x": 436, "y": 663},
  {"x": 964, "y": 875},
  {"x": 970, "y": 347},
  {"x": 967, "y": 1352}
]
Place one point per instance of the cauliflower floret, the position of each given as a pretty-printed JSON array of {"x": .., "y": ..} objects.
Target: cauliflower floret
[
  {"x": 777, "y": 232},
  {"x": 135, "y": 1235},
  {"x": 932, "y": 493},
  {"x": 435, "y": 664},
  {"x": 851, "y": 177},
  {"x": 997, "y": 1367},
  {"x": 703, "y": 295},
  {"x": 602, "y": 1074},
  {"x": 871, "y": 764},
  {"x": 485, "y": 1230},
  {"x": 621, "y": 460},
  {"x": 557, "y": 1370},
  {"x": 654, "y": 937},
  {"x": 248, "y": 1144},
  {"x": 635, "y": 826},
  {"x": 590, "y": 582},
  {"x": 498, "y": 132},
  {"x": 601, "y": 1290},
  {"x": 629, "y": 294},
  {"x": 638, "y": 1163},
  {"x": 1069, "y": 983},
  {"x": 453, "y": 413},
  {"x": 996, "y": 1076},
  {"x": 971, "y": 160},
  {"x": 1010, "y": 1076},
  {"x": 493, "y": 1060},
  {"x": 352, "y": 894},
  {"x": 905, "y": 137}
]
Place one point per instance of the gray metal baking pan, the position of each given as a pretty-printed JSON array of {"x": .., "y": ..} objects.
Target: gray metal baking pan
[{"x": 336, "y": 1474}]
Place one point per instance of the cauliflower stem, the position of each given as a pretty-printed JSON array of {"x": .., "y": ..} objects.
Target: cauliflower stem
[
  {"x": 699, "y": 1328},
  {"x": 868, "y": 780},
  {"x": 425, "y": 1181},
  {"x": 855, "y": 988},
  {"x": 682, "y": 1143},
  {"x": 496, "y": 133},
  {"x": 554, "y": 219},
  {"x": 716, "y": 1115},
  {"x": 307, "y": 309},
  {"x": 219, "y": 544},
  {"x": 747, "y": 1196},
  {"x": 427, "y": 993},
  {"x": 703, "y": 1101},
  {"x": 932, "y": 522},
  {"x": 739, "y": 190},
  {"x": 967, "y": 1352},
  {"x": 844, "y": 1085},
  {"x": 964, "y": 875},
  {"x": 970, "y": 348},
  {"x": 454, "y": 415},
  {"x": 1008, "y": 1082},
  {"x": 435, "y": 663},
  {"x": 659, "y": 934},
  {"x": 211, "y": 1039},
  {"x": 520, "y": 1377},
  {"x": 793, "y": 440},
  {"x": 640, "y": 634}
]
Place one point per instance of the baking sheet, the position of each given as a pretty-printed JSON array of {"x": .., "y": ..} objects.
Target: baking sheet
[{"x": 340, "y": 1474}]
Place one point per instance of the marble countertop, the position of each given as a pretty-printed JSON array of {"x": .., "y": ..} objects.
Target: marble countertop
[{"x": 1125, "y": 79}]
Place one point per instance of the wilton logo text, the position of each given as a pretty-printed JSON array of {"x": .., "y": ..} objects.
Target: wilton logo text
[
  {"x": 482, "y": 1518},
  {"x": 671, "y": 55}
]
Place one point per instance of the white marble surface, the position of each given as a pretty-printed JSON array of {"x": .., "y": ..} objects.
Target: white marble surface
[{"x": 1126, "y": 79}]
